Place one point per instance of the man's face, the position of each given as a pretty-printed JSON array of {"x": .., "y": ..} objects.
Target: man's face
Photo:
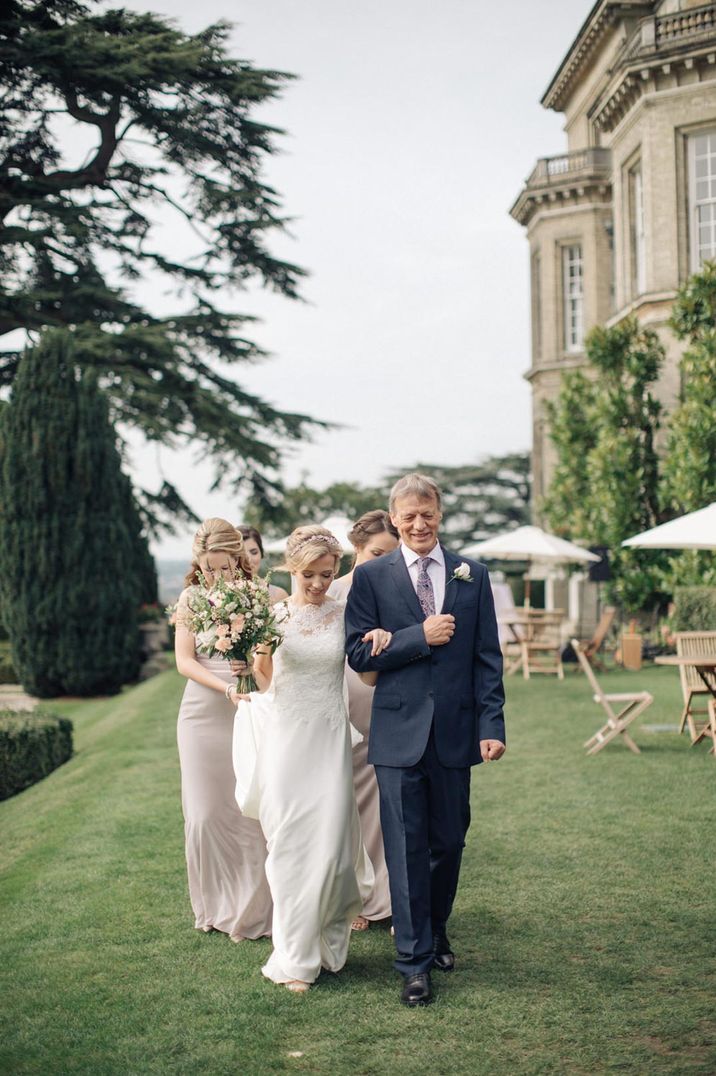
[{"x": 417, "y": 520}]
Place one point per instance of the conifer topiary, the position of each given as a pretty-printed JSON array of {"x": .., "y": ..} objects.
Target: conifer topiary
[{"x": 69, "y": 577}]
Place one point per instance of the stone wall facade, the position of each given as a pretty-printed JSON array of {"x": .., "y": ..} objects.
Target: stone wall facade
[{"x": 638, "y": 92}]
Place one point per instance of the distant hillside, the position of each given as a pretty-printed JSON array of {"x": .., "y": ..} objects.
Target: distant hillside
[{"x": 171, "y": 579}]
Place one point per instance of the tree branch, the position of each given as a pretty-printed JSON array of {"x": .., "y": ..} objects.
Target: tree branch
[
  {"x": 189, "y": 217},
  {"x": 94, "y": 173}
]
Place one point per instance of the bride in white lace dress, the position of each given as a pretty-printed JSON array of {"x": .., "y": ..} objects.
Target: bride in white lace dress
[{"x": 300, "y": 783}]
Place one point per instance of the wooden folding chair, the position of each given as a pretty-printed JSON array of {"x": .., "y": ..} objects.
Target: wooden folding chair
[
  {"x": 591, "y": 647},
  {"x": 511, "y": 630},
  {"x": 635, "y": 702},
  {"x": 542, "y": 644},
  {"x": 692, "y": 644}
]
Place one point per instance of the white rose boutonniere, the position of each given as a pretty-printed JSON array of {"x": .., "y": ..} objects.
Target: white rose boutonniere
[{"x": 462, "y": 573}]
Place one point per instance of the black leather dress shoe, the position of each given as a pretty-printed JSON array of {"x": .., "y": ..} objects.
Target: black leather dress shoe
[
  {"x": 417, "y": 990},
  {"x": 444, "y": 957}
]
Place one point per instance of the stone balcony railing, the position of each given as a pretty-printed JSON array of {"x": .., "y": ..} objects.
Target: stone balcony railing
[
  {"x": 684, "y": 24},
  {"x": 571, "y": 166},
  {"x": 659, "y": 32},
  {"x": 570, "y": 176}
]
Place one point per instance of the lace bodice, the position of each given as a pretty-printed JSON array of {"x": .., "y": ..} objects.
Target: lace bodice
[{"x": 308, "y": 666}]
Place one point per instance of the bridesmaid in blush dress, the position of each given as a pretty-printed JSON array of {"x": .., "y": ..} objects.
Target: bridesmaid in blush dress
[
  {"x": 372, "y": 536},
  {"x": 225, "y": 852},
  {"x": 254, "y": 550}
]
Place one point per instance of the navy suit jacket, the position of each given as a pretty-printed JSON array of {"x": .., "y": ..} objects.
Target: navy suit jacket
[{"x": 455, "y": 688}]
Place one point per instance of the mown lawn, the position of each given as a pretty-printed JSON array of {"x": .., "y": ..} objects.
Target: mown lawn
[{"x": 584, "y": 924}]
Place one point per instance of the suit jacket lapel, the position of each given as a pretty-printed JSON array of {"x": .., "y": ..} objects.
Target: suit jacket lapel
[
  {"x": 404, "y": 584},
  {"x": 451, "y": 563}
]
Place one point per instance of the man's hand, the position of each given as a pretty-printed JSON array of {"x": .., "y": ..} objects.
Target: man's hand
[
  {"x": 439, "y": 629},
  {"x": 491, "y": 750}
]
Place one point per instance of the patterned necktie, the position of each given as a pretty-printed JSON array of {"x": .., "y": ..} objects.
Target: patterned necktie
[{"x": 426, "y": 594}]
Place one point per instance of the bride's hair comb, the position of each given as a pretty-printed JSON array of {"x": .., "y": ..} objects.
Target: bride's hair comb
[
  {"x": 308, "y": 543},
  {"x": 334, "y": 546}
]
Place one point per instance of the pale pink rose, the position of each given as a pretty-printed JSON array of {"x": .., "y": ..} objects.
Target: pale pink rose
[
  {"x": 222, "y": 630},
  {"x": 223, "y": 645},
  {"x": 237, "y": 623}
]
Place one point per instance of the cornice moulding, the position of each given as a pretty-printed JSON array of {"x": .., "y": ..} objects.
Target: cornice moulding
[
  {"x": 571, "y": 362},
  {"x": 601, "y": 18},
  {"x": 653, "y": 300},
  {"x": 634, "y": 80}
]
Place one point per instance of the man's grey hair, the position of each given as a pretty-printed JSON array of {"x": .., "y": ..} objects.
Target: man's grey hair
[{"x": 415, "y": 485}]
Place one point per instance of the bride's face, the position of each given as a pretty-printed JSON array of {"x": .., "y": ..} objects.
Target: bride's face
[{"x": 313, "y": 581}]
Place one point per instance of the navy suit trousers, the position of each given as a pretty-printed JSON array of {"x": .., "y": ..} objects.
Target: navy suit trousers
[{"x": 425, "y": 814}]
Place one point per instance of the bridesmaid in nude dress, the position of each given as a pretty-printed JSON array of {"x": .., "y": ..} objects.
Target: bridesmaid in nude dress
[
  {"x": 225, "y": 852},
  {"x": 372, "y": 536},
  {"x": 254, "y": 550}
]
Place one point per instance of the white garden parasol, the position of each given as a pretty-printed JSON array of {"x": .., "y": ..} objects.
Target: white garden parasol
[
  {"x": 533, "y": 545},
  {"x": 696, "y": 530}
]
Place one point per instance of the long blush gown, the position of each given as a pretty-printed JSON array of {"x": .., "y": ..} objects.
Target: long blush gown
[
  {"x": 360, "y": 703},
  {"x": 303, "y": 795},
  {"x": 225, "y": 852}
]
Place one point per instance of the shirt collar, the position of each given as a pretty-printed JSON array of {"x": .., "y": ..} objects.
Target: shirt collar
[{"x": 410, "y": 556}]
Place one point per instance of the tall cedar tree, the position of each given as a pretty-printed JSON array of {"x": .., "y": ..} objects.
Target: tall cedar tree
[
  {"x": 69, "y": 571},
  {"x": 165, "y": 122}
]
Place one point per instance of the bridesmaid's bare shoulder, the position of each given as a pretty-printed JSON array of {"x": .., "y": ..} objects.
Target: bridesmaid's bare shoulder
[{"x": 277, "y": 594}]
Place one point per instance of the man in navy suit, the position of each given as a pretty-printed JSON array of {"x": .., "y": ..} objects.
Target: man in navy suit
[{"x": 437, "y": 711}]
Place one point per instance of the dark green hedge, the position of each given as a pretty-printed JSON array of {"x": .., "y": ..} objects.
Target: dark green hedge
[
  {"x": 32, "y": 744},
  {"x": 7, "y": 669}
]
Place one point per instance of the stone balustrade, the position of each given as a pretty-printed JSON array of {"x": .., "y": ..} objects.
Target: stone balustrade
[
  {"x": 684, "y": 24},
  {"x": 591, "y": 161}
]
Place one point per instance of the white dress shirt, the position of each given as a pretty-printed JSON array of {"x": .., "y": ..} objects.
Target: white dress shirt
[{"x": 436, "y": 571}]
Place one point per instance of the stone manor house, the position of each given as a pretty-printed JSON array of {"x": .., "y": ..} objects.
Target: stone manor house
[{"x": 617, "y": 222}]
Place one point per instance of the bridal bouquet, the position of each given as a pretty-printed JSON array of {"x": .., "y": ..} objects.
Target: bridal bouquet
[{"x": 229, "y": 618}]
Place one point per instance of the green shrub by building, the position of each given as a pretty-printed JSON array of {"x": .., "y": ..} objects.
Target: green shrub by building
[
  {"x": 73, "y": 558},
  {"x": 694, "y": 609},
  {"x": 31, "y": 746}
]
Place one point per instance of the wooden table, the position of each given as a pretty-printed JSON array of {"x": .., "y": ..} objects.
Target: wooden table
[
  {"x": 536, "y": 642},
  {"x": 705, "y": 665}
]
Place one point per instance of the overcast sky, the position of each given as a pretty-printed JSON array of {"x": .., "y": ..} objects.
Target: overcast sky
[{"x": 410, "y": 131}]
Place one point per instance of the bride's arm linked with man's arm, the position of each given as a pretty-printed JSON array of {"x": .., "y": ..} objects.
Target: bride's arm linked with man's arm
[
  {"x": 380, "y": 641},
  {"x": 406, "y": 644}
]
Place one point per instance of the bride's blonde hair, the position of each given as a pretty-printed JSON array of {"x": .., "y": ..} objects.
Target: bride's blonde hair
[
  {"x": 217, "y": 536},
  {"x": 308, "y": 543}
]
